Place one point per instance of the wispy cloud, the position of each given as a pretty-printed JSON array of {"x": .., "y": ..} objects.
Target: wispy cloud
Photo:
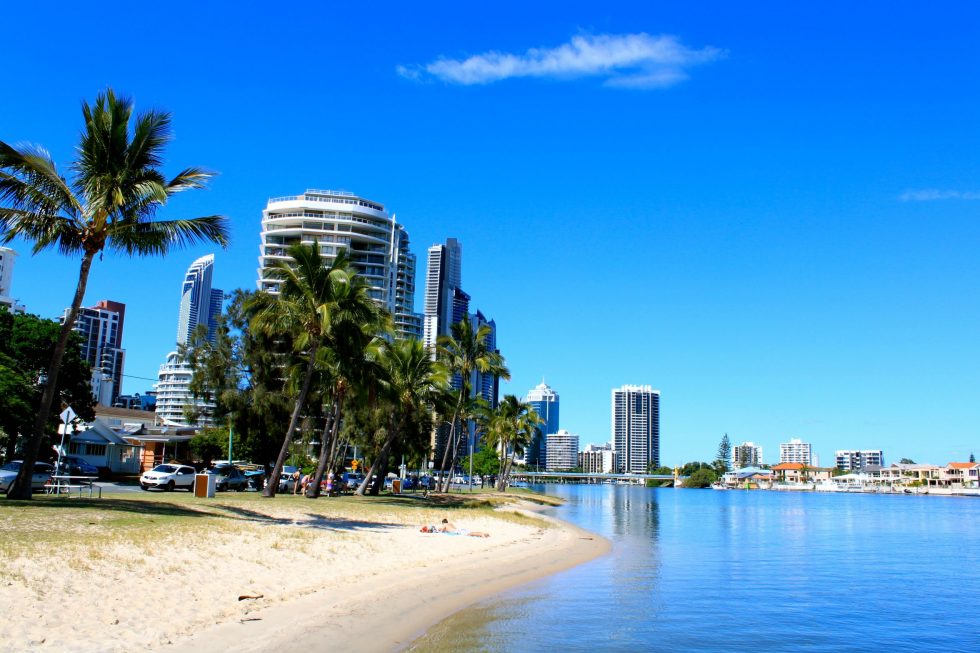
[
  {"x": 622, "y": 60},
  {"x": 932, "y": 194}
]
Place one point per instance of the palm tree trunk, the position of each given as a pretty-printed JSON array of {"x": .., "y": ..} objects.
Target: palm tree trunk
[
  {"x": 273, "y": 484},
  {"x": 21, "y": 487},
  {"x": 379, "y": 465},
  {"x": 444, "y": 484},
  {"x": 326, "y": 448},
  {"x": 504, "y": 445}
]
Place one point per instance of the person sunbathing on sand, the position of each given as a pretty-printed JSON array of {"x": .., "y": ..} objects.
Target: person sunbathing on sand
[{"x": 449, "y": 528}]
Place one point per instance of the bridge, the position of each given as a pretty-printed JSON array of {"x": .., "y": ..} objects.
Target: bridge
[{"x": 590, "y": 477}]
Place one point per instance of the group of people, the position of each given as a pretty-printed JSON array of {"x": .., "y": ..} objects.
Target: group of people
[
  {"x": 301, "y": 481},
  {"x": 449, "y": 528}
]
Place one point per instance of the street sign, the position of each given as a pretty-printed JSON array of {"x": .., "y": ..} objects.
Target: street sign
[{"x": 67, "y": 415}]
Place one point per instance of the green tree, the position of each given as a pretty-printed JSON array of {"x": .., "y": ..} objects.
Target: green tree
[
  {"x": 26, "y": 344},
  {"x": 906, "y": 461},
  {"x": 209, "y": 444},
  {"x": 463, "y": 352},
  {"x": 304, "y": 308},
  {"x": 114, "y": 194},
  {"x": 689, "y": 468},
  {"x": 701, "y": 478},
  {"x": 724, "y": 455},
  {"x": 410, "y": 381},
  {"x": 508, "y": 429}
]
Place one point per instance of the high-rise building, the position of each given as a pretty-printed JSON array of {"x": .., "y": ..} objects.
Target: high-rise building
[
  {"x": 7, "y": 259},
  {"x": 200, "y": 304},
  {"x": 562, "y": 451},
  {"x": 853, "y": 460},
  {"x": 597, "y": 459},
  {"x": 101, "y": 331},
  {"x": 445, "y": 301},
  {"x": 636, "y": 428},
  {"x": 544, "y": 400},
  {"x": 486, "y": 386},
  {"x": 795, "y": 451},
  {"x": 747, "y": 454},
  {"x": 378, "y": 247}
]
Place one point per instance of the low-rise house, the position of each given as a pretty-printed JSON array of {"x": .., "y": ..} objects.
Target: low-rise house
[
  {"x": 128, "y": 441},
  {"x": 800, "y": 473},
  {"x": 747, "y": 477},
  {"x": 99, "y": 445},
  {"x": 961, "y": 474}
]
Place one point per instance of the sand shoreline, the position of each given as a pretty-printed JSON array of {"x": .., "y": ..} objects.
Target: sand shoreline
[
  {"x": 392, "y": 612},
  {"x": 165, "y": 572}
]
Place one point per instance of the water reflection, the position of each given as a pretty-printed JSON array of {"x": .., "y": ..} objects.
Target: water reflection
[{"x": 710, "y": 571}]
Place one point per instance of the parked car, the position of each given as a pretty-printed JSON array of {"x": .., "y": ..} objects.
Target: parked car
[
  {"x": 229, "y": 478},
  {"x": 75, "y": 466},
  {"x": 351, "y": 480},
  {"x": 42, "y": 474},
  {"x": 169, "y": 477}
]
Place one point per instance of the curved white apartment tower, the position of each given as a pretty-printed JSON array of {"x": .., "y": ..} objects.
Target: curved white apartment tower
[{"x": 378, "y": 246}]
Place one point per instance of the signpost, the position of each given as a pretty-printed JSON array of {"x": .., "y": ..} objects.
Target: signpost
[{"x": 67, "y": 416}]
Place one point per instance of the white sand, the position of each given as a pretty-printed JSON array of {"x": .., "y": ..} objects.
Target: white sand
[{"x": 377, "y": 583}]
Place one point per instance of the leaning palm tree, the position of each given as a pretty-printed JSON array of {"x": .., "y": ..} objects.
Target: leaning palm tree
[
  {"x": 464, "y": 352},
  {"x": 305, "y": 307},
  {"x": 110, "y": 201},
  {"x": 411, "y": 381}
]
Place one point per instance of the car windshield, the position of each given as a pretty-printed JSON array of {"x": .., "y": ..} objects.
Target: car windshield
[
  {"x": 166, "y": 469},
  {"x": 11, "y": 467}
]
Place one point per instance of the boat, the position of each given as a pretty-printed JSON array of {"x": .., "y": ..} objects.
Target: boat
[{"x": 719, "y": 486}]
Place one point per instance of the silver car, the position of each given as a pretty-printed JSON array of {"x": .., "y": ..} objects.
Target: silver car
[{"x": 42, "y": 474}]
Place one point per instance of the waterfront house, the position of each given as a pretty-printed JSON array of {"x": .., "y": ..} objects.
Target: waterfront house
[
  {"x": 961, "y": 474},
  {"x": 748, "y": 478},
  {"x": 800, "y": 473},
  {"x": 788, "y": 472}
]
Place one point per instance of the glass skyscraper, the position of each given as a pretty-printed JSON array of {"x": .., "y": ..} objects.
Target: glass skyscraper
[
  {"x": 544, "y": 400},
  {"x": 636, "y": 428}
]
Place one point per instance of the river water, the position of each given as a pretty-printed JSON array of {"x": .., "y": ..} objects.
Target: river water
[{"x": 733, "y": 571}]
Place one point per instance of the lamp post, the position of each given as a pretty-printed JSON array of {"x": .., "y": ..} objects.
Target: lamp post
[{"x": 229, "y": 439}]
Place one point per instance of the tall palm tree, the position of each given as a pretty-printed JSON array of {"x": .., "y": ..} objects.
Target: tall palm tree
[
  {"x": 313, "y": 296},
  {"x": 411, "y": 381},
  {"x": 115, "y": 190},
  {"x": 509, "y": 428},
  {"x": 464, "y": 352}
]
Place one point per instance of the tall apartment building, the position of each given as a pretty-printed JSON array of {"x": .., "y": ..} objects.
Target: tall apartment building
[
  {"x": 636, "y": 428},
  {"x": 446, "y": 304},
  {"x": 101, "y": 330},
  {"x": 562, "y": 451},
  {"x": 852, "y": 460},
  {"x": 7, "y": 259},
  {"x": 377, "y": 245},
  {"x": 747, "y": 454},
  {"x": 200, "y": 304},
  {"x": 597, "y": 459},
  {"x": 444, "y": 298},
  {"x": 544, "y": 400},
  {"x": 795, "y": 451}
]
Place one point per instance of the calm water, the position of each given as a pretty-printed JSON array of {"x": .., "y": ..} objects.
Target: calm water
[{"x": 702, "y": 570}]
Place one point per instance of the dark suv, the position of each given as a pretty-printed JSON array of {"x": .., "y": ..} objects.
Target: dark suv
[{"x": 229, "y": 478}]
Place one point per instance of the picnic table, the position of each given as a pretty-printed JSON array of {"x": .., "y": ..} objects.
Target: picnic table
[{"x": 64, "y": 484}]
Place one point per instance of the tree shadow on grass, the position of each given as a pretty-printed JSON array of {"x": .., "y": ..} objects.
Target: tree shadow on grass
[{"x": 159, "y": 508}]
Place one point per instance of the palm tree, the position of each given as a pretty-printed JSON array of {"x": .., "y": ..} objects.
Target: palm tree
[
  {"x": 110, "y": 202},
  {"x": 463, "y": 353},
  {"x": 509, "y": 428},
  {"x": 349, "y": 344},
  {"x": 411, "y": 381},
  {"x": 313, "y": 296}
]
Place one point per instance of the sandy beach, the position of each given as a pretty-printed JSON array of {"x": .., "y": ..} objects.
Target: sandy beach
[{"x": 183, "y": 575}]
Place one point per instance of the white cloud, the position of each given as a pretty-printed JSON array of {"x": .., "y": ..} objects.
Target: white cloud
[
  {"x": 630, "y": 60},
  {"x": 932, "y": 194}
]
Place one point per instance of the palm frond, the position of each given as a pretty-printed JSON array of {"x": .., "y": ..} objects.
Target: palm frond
[{"x": 158, "y": 237}]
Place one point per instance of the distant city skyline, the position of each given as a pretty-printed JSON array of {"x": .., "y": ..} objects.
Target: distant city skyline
[{"x": 778, "y": 228}]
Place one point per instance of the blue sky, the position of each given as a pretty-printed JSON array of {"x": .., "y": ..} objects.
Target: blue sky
[{"x": 771, "y": 213}]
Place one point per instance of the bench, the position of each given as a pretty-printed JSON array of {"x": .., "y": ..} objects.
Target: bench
[{"x": 64, "y": 486}]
